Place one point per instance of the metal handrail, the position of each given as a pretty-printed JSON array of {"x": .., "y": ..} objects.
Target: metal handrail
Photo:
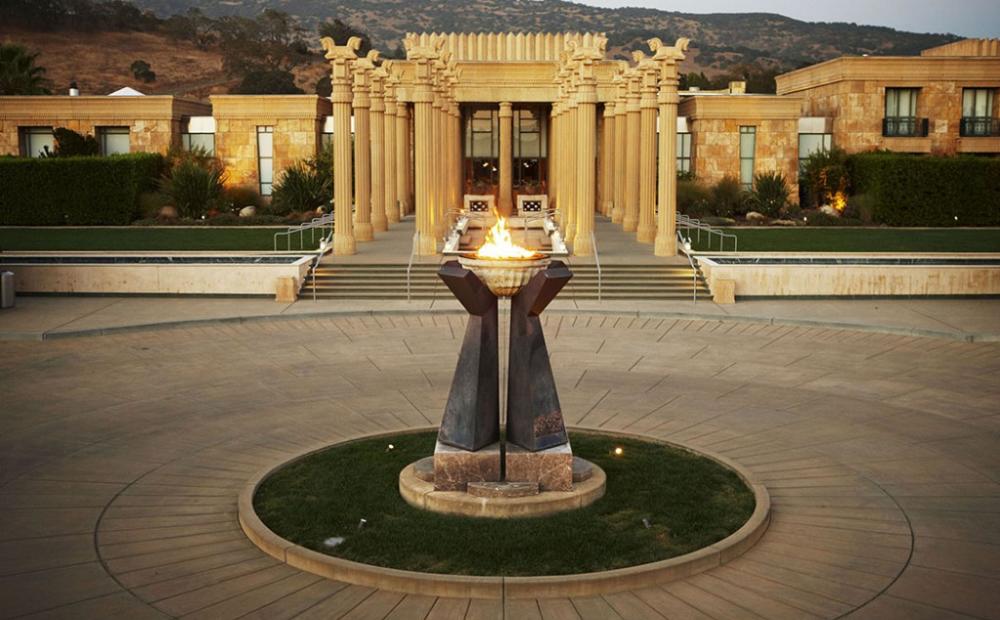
[
  {"x": 694, "y": 270},
  {"x": 324, "y": 243},
  {"x": 689, "y": 222},
  {"x": 597, "y": 262},
  {"x": 409, "y": 265},
  {"x": 312, "y": 225}
]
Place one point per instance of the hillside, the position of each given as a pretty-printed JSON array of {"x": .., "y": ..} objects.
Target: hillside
[{"x": 718, "y": 40}]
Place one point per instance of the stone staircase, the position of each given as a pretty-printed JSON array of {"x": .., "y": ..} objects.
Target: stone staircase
[{"x": 388, "y": 281}]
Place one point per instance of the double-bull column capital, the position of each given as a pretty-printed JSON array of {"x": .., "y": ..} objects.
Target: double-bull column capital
[{"x": 341, "y": 59}]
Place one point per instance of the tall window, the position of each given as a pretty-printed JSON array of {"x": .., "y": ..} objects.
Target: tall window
[
  {"x": 113, "y": 140},
  {"x": 810, "y": 143},
  {"x": 482, "y": 146},
  {"x": 748, "y": 146},
  {"x": 36, "y": 141},
  {"x": 901, "y": 113},
  {"x": 204, "y": 141},
  {"x": 529, "y": 148},
  {"x": 977, "y": 113},
  {"x": 683, "y": 152},
  {"x": 265, "y": 159}
]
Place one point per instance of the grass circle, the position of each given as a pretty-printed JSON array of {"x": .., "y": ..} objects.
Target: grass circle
[{"x": 661, "y": 502}]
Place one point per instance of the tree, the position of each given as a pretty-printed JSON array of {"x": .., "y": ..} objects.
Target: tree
[
  {"x": 69, "y": 143},
  {"x": 270, "y": 43},
  {"x": 141, "y": 71},
  {"x": 273, "y": 82},
  {"x": 19, "y": 75}
]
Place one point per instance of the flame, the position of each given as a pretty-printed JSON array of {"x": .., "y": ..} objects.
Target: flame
[
  {"x": 500, "y": 244},
  {"x": 839, "y": 202}
]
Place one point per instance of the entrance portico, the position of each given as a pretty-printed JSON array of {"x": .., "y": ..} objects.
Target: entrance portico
[{"x": 509, "y": 115}]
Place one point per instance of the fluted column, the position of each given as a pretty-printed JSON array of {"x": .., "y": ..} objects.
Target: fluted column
[
  {"x": 341, "y": 57},
  {"x": 553, "y": 160},
  {"x": 391, "y": 207},
  {"x": 667, "y": 59},
  {"x": 424, "y": 147},
  {"x": 586, "y": 118},
  {"x": 608, "y": 158},
  {"x": 362, "y": 148},
  {"x": 505, "y": 205},
  {"x": 403, "y": 162},
  {"x": 380, "y": 222},
  {"x": 631, "y": 220},
  {"x": 646, "y": 232},
  {"x": 620, "y": 140},
  {"x": 569, "y": 168}
]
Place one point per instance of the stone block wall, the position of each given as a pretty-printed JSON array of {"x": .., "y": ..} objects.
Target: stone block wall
[
  {"x": 716, "y": 149},
  {"x": 145, "y": 136}
]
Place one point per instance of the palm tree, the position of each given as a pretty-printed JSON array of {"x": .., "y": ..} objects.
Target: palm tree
[{"x": 18, "y": 73}]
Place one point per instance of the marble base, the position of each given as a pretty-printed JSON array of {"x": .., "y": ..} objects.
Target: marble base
[
  {"x": 502, "y": 489},
  {"x": 551, "y": 469},
  {"x": 455, "y": 468}
]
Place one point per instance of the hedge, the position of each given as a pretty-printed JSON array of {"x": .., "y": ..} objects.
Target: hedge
[
  {"x": 916, "y": 190},
  {"x": 75, "y": 190}
]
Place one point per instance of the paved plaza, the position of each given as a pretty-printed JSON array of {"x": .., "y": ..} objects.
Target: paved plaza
[{"x": 121, "y": 455}]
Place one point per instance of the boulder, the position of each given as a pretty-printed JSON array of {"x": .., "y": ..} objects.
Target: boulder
[
  {"x": 785, "y": 223},
  {"x": 249, "y": 211},
  {"x": 829, "y": 210},
  {"x": 754, "y": 216},
  {"x": 167, "y": 212}
]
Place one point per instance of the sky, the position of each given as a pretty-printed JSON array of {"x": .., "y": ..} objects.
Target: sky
[{"x": 969, "y": 18}]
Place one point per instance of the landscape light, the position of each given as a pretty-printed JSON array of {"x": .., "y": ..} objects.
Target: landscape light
[{"x": 619, "y": 451}]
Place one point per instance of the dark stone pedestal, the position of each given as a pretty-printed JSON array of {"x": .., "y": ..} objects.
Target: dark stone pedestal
[{"x": 455, "y": 468}]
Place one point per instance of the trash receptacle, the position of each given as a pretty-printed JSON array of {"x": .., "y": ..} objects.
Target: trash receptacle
[{"x": 6, "y": 289}]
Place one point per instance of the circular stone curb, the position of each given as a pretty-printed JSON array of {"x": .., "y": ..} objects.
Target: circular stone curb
[
  {"x": 421, "y": 494},
  {"x": 464, "y": 586}
]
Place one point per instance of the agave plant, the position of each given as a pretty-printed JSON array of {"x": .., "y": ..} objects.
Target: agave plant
[
  {"x": 301, "y": 188},
  {"x": 770, "y": 193},
  {"x": 192, "y": 188}
]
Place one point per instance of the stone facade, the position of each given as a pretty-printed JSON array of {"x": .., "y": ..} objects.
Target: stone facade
[
  {"x": 852, "y": 92},
  {"x": 297, "y": 121},
  {"x": 154, "y": 122},
  {"x": 715, "y": 121}
]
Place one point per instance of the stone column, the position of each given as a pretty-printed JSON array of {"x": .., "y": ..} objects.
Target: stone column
[
  {"x": 619, "y": 213},
  {"x": 585, "y": 54},
  {"x": 569, "y": 168},
  {"x": 362, "y": 147},
  {"x": 630, "y": 222},
  {"x": 341, "y": 57},
  {"x": 608, "y": 161},
  {"x": 424, "y": 146},
  {"x": 553, "y": 159},
  {"x": 403, "y": 158},
  {"x": 667, "y": 58},
  {"x": 505, "y": 204},
  {"x": 380, "y": 222},
  {"x": 646, "y": 231},
  {"x": 434, "y": 164},
  {"x": 391, "y": 207}
]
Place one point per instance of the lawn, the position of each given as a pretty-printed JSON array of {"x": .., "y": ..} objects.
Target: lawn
[
  {"x": 687, "y": 501},
  {"x": 856, "y": 240},
  {"x": 126, "y": 238}
]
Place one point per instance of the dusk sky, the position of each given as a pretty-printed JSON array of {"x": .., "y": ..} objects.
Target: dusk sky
[{"x": 970, "y": 18}]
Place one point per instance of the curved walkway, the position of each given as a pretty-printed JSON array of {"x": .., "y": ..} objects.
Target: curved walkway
[{"x": 121, "y": 457}]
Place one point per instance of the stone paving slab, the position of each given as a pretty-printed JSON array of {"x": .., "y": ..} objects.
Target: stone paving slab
[{"x": 118, "y": 483}]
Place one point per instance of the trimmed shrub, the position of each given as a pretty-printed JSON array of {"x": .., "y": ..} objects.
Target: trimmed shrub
[
  {"x": 920, "y": 190},
  {"x": 770, "y": 193},
  {"x": 728, "y": 198},
  {"x": 69, "y": 143},
  {"x": 243, "y": 196},
  {"x": 78, "y": 191}
]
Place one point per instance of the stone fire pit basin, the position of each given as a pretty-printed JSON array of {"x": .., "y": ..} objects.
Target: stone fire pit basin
[{"x": 505, "y": 276}]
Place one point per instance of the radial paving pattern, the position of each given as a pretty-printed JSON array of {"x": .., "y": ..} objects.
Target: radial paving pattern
[{"x": 121, "y": 457}]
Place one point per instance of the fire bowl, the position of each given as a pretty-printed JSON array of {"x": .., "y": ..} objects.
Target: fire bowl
[{"x": 505, "y": 276}]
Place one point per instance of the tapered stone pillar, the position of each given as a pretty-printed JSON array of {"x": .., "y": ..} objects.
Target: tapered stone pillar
[
  {"x": 403, "y": 162},
  {"x": 424, "y": 146},
  {"x": 667, "y": 59},
  {"x": 630, "y": 222},
  {"x": 362, "y": 147},
  {"x": 505, "y": 203},
  {"x": 608, "y": 159},
  {"x": 341, "y": 57},
  {"x": 620, "y": 140},
  {"x": 391, "y": 206},
  {"x": 646, "y": 232},
  {"x": 380, "y": 222}
]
